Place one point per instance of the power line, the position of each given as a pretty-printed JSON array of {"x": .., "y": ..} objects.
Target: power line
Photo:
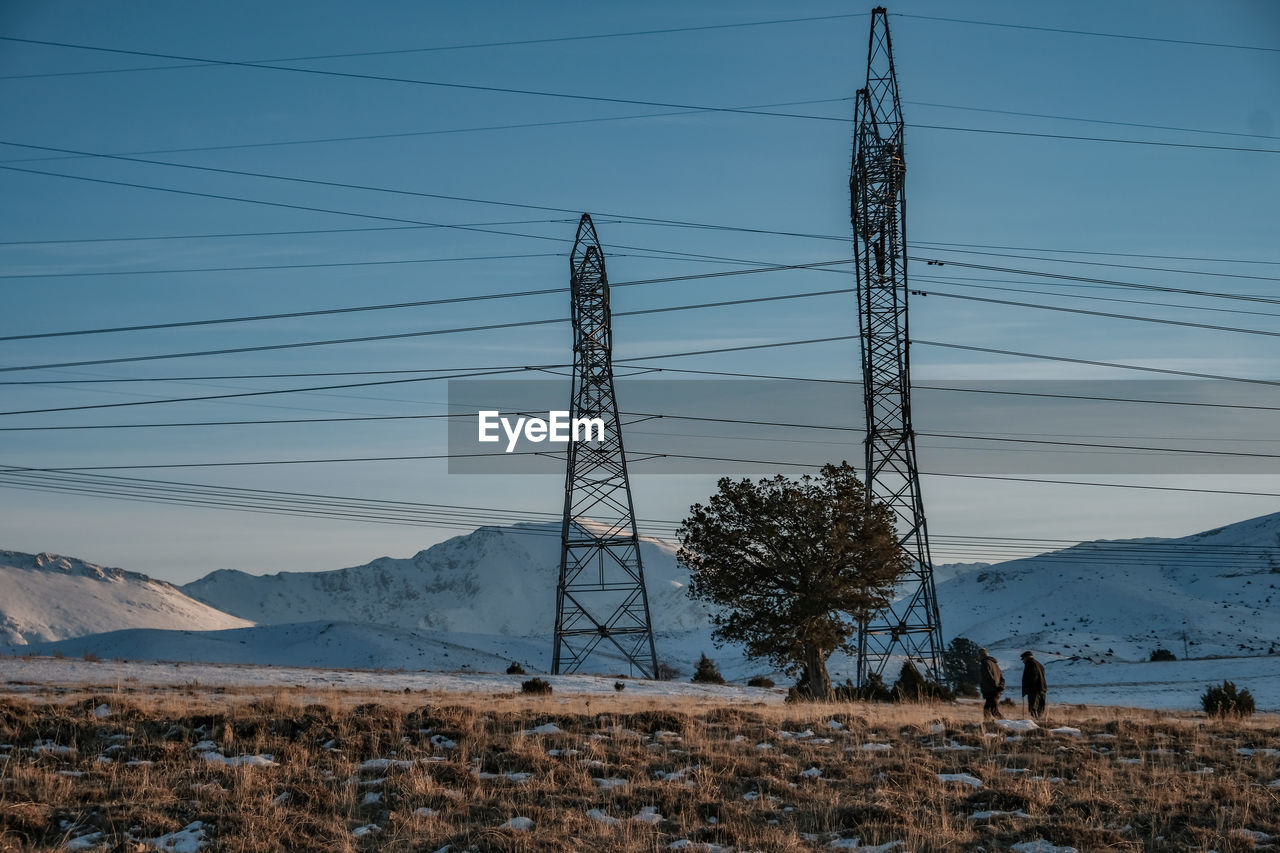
[
  {"x": 369, "y": 137},
  {"x": 1104, "y": 485},
  {"x": 1076, "y": 138},
  {"x": 1069, "y": 360},
  {"x": 1242, "y": 297},
  {"x": 1087, "y": 120},
  {"x": 1117, "y": 266},
  {"x": 270, "y": 267},
  {"x": 1088, "y": 33},
  {"x": 960, "y": 281},
  {"x": 461, "y": 517},
  {"x": 349, "y": 75},
  {"x": 1108, "y": 314},
  {"x": 472, "y": 46},
  {"x": 612, "y": 100},
  {"x": 444, "y": 301}
]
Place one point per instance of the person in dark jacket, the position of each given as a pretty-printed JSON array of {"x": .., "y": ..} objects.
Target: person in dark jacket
[
  {"x": 1033, "y": 684},
  {"x": 992, "y": 685}
]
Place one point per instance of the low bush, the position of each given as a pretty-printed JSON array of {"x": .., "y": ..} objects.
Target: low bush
[
  {"x": 535, "y": 686},
  {"x": 1226, "y": 701}
]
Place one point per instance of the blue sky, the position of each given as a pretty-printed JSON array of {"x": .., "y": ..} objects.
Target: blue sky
[{"x": 529, "y": 164}]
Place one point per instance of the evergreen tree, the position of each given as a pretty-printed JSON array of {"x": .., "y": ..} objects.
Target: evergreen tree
[
  {"x": 707, "y": 672},
  {"x": 795, "y": 564},
  {"x": 961, "y": 667}
]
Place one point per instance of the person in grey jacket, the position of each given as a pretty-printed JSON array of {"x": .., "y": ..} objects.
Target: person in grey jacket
[{"x": 992, "y": 685}]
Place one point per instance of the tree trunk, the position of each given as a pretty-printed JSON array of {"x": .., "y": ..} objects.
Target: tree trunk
[{"x": 819, "y": 682}]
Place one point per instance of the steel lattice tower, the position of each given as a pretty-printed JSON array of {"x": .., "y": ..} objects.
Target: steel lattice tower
[
  {"x": 910, "y": 626},
  {"x": 600, "y": 597}
]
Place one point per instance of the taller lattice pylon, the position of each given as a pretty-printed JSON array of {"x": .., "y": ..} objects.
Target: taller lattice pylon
[
  {"x": 600, "y": 598},
  {"x": 910, "y": 626}
]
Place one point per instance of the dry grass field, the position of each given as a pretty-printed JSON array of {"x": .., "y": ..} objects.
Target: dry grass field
[{"x": 202, "y": 769}]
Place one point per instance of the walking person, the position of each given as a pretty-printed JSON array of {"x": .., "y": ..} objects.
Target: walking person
[
  {"x": 1034, "y": 685},
  {"x": 992, "y": 685}
]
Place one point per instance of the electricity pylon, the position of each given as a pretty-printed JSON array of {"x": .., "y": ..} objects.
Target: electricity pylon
[
  {"x": 909, "y": 626},
  {"x": 600, "y": 597}
]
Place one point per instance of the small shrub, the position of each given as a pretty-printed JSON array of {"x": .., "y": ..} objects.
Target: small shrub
[
  {"x": 665, "y": 672},
  {"x": 707, "y": 672},
  {"x": 874, "y": 689},
  {"x": 760, "y": 681},
  {"x": 1162, "y": 654},
  {"x": 536, "y": 687},
  {"x": 1007, "y": 702},
  {"x": 515, "y": 669},
  {"x": 1226, "y": 701},
  {"x": 90, "y": 656},
  {"x": 619, "y": 686}
]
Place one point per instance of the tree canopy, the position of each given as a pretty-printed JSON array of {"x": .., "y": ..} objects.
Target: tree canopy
[{"x": 796, "y": 565}]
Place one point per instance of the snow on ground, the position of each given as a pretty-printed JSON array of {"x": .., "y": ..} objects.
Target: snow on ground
[
  {"x": 17, "y": 673},
  {"x": 1163, "y": 686}
]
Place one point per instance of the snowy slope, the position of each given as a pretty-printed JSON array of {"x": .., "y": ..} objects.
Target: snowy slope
[
  {"x": 47, "y": 597},
  {"x": 1121, "y": 599},
  {"x": 497, "y": 580},
  {"x": 343, "y": 645}
]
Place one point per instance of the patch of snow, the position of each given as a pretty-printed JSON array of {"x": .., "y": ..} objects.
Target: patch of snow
[
  {"x": 237, "y": 760},
  {"x": 85, "y": 842},
  {"x": 371, "y": 799},
  {"x": 48, "y": 747},
  {"x": 609, "y": 784},
  {"x": 102, "y": 712},
  {"x": 600, "y": 817},
  {"x": 545, "y": 729},
  {"x": 811, "y": 773},
  {"x": 1066, "y": 730},
  {"x": 649, "y": 815},
  {"x": 1251, "y": 835},
  {"x": 962, "y": 778},
  {"x": 382, "y": 765},
  {"x": 189, "y": 839},
  {"x": 367, "y": 829},
  {"x": 991, "y": 815},
  {"x": 876, "y": 747},
  {"x": 442, "y": 742},
  {"x": 853, "y": 844},
  {"x": 423, "y": 811},
  {"x": 1041, "y": 846},
  {"x": 835, "y": 725},
  {"x": 518, "y": 824},
  {"x": 1266, "y": 751},
  {"x": 1017, "y": 725},
  {"x": 955, "y": 746}
]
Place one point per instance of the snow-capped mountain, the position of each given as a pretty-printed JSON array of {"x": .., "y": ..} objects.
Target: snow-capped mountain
[
  {"x": 1211, "y": 593},
  {"x": 497, "y": 580},
  {"x": 47, "y": 597}
]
